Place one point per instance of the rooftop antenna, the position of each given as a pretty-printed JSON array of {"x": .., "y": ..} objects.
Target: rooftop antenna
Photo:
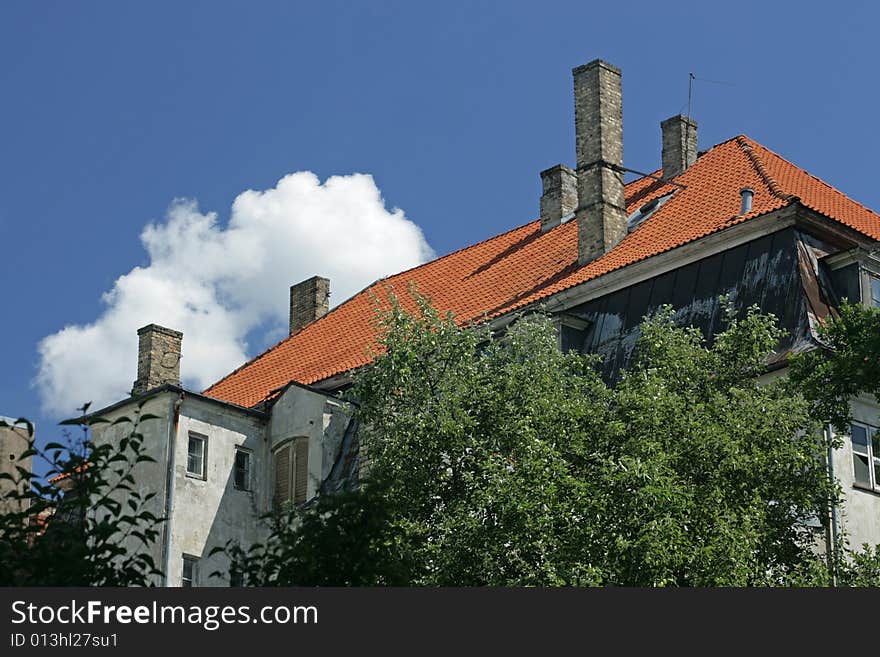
[
  {"x": 691, "y": 78},
  {"x": 687, "y": 125}
]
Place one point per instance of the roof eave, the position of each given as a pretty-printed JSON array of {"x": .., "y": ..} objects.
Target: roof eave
[{"x": 155, "y": 392}]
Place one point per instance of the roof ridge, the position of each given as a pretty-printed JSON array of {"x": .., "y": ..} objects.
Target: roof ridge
[
  {"x": 817, "y": 179},
  {"x": 275, "y": 346},
  {"x": 772, "y": 185},
  {"x": 329, "y": 346}
]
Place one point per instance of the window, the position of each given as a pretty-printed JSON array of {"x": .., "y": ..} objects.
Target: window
[
  {"x": 866, "y": 455},
  {"x": 875, "y": 291},
  {"x": 292, "y": 472},
  {"x": 196, "y": 455},
  {"x": 241, "y": 474},
  {"x": 645, "y": 211},
  {"x": 189, "y": 578}
]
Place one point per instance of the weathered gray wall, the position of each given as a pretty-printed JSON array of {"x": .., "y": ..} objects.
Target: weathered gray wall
[
  {"x": 300, "y": 412},
  {"x": 13, "y": 443},
  {"x": 149, "y": 477},
  {"x": 206, "y": 513}
]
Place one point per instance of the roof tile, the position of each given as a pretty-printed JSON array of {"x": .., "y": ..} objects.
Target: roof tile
[{"x": 524, "y": 265}]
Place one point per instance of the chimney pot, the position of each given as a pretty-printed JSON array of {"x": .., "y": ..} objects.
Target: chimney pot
[
  {"x": 598, "y": 115},
  {"x": 159, "y": 351},
  {"x": 679, "y": 145},
  {"x": 309, "y": 300}
]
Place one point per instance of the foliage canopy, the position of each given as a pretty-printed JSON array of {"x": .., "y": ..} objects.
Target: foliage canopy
[{"x": 496, "y": 459}]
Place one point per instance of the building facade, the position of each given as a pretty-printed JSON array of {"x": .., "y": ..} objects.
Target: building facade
[
  {"x": 736, "y": 221},
  {"x": 15, "y": 440}
]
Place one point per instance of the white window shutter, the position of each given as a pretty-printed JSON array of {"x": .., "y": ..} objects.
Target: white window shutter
[{"x": 282, "y": 475}]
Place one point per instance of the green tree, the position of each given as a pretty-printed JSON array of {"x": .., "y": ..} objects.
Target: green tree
[
  {"x": 499, "y": 460},
  {"x": 90, "y": 527},
  {"x": 847, "y": 364}
]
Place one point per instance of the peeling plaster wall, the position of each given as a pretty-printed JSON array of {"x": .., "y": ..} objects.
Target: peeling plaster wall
[
  {"x": 301, "y": 412},
  {"x": 206, "y": 513},
  {"x": 13, "y": 443},
  {"x": 149, "y": 477}
]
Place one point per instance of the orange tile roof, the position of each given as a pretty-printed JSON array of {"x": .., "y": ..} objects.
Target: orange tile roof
[{"x": 524, "y": 265}]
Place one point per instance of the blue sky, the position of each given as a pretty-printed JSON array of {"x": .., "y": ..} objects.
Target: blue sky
[{"x": 110, "y": 111}]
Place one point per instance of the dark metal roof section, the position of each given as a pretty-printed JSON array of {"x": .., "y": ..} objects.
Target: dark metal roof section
[{"x": 779, "y": 273}]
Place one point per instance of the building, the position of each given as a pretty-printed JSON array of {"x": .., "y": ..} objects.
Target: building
[
  {"x": 735, "y": 220},
  {"x": 15, "y": 440}
]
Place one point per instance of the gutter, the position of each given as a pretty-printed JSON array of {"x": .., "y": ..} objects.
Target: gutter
[
  {"x": 174, "y": 412},
  {"x": 834, "y": 529}
]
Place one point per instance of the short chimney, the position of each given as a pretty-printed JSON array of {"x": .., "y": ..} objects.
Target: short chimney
[
  {"x": 559, "y": 197},
  {"x": 309, "y": 300},
  {"x": 158, "y": 358},
  {"x": 679, "y": 145},
  {"x": 598, "y": 119}
]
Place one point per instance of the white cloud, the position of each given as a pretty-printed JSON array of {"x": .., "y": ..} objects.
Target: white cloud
[{"x": 216, "y": 283}]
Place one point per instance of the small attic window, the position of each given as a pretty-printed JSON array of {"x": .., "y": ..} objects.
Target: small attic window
[
  {"x": 645, "y": 211},
  {"x": 650, "y": 206}
]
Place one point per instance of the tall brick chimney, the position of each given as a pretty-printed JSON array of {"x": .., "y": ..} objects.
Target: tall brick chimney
[
  {"x": 559, "y": 197},
  {"x": 158, "y": 358},
  {"x": 679, "y": 145},
  {"x": 309, "y": 300},
  {"x": 598, "y": 122}
]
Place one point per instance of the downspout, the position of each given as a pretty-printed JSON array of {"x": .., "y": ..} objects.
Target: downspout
[
  {"x": 834, "y": 529},
  {"x": 169, "y": 481}
]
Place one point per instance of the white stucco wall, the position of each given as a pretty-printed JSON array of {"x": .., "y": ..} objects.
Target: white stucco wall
[
  {"x": 149, "y": 476},
  {"x": 300, "y": 412},
  {"x": 204, "y": 513},
  {"x": 208, "y": 512},
  {"x": 860, "y": 515}
]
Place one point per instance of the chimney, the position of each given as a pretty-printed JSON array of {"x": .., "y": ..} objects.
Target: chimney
[
  {"x": 158, "y": 358},
  {"x": 598, "y": 122},
  {"x": 679, "y": 145},
  {"x": 309, "y": 300},
  {"x": 559, "y": 197}
]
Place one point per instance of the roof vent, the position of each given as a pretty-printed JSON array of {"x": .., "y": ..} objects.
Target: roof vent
[{"x": 746, "y": 195}]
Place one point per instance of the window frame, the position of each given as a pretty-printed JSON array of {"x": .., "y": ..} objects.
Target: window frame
[
  {"x": 874, "y": 290},
  {"x": 203, "y": 475},
  {"x": 868, "y": 265},
  {"x": 247, "y": 482},
  {"x": 192, "y": 581},
  {"x": 871, "y": 453}
]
